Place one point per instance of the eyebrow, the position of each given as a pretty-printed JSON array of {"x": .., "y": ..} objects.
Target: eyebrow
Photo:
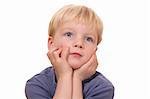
[{"x": 87, "y": 33}]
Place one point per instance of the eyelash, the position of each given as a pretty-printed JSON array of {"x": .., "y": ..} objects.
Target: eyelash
[
  {"x": 68, "y": 34},
  {"x": 89, "y": 39}
]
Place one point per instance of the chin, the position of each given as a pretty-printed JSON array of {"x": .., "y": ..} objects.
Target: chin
[
  {"x": 75, "y": 66},
  {"x": 75, "y": 63}
]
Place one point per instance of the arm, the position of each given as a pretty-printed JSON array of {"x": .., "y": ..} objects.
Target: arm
[
  {"x": 64, "y": 87},
  {"x": 63, "y": 72},
  {"x": 77, "y": 88},
  {"x": 84, "y": 72}
]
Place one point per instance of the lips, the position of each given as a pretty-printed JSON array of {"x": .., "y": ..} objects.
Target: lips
[{"x": 76, "y": 54}]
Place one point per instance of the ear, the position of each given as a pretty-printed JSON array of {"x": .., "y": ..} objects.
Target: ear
[
  {"x": 50, "y": 41},
  {"x": 96, "y": 48}
]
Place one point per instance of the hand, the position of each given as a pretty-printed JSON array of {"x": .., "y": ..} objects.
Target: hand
[
  {"x": 58, "y": 58},
  {"x": 88, "y": 69}
]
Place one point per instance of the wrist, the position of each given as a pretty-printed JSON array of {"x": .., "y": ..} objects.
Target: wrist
[
  {"x": 65, "y": 75},
  {"x": 77, "y": 77}
]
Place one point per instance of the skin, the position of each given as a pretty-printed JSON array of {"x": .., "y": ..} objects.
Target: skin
[{"x": 72, "y": 52}]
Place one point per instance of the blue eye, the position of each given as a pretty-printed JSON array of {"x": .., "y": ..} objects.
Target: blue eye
[
  {"x": 68, "y": 34},
  {"x": 89, "y": 39}
]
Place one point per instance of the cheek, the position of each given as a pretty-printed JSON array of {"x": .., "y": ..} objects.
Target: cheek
[
  {"x": 64, "y": 45},
  {"x": 91, "y": 49},
  {"x": 61, "y": 44}
]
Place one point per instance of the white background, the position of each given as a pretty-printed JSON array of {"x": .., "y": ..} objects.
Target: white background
[{"x": 124, "y": 53}]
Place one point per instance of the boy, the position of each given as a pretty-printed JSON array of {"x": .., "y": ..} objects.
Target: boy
[{"x": 74, "y": 33}]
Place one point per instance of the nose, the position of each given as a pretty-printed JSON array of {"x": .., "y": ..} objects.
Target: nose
[{"x": 79, "y": 44}]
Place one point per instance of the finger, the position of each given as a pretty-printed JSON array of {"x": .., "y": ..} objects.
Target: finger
[
  {"x": 94, "y": 65},
  {"x": 56, "y": 53},
  {"x": 65, "y": 52},
  {"x": 50, "y": 54},
  {"x": 91, "y": 60}
]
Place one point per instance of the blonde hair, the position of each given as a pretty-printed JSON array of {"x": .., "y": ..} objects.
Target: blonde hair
[{"x": 79, "y": 13}]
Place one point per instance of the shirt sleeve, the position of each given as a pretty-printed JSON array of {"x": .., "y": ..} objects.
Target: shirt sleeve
[
  {"x": 36, "y": 90},
  {"x": 99, "y": 87},
  {"x": 102, "y": 93}
]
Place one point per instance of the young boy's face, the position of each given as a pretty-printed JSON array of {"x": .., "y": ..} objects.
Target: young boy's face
[{"x": 80, "y": 39}]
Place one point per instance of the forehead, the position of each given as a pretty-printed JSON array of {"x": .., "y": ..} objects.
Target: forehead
[{"x": 78, "y": 27}]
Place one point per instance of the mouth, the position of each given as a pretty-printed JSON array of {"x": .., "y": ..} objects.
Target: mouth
[{"x": 76, "y": 54}]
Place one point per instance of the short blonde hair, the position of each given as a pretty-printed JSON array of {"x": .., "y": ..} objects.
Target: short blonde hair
[{"x": 79, "y": 13}]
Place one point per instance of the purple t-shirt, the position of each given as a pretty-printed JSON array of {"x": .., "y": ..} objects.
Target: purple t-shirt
[{"x": 43, "y": 86}]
